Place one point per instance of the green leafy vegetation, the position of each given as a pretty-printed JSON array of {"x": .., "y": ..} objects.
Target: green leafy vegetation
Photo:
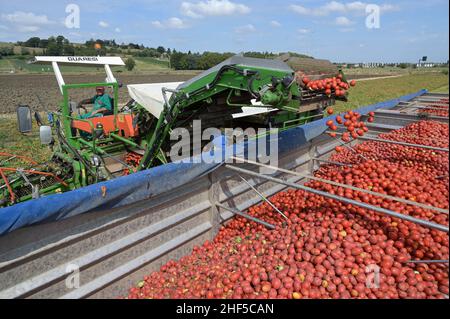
[{"x": 130, "y": 64}]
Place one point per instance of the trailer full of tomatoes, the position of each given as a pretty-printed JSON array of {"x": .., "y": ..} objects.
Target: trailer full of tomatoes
[{"x": 326, "y": 248}]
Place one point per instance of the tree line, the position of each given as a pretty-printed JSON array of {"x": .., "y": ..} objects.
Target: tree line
[{"x": 60, "y": 46}]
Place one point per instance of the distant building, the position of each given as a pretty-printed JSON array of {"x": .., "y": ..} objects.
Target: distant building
[{"x": 426, "y": 65}]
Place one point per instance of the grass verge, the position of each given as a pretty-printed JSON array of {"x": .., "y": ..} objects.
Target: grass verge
[{"x": 374, "y": 91}]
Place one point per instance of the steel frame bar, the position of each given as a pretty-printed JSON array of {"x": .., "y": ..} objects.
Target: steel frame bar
[
  {"x": 263, "y": 197},
  {"x": 237, "y": 212}
]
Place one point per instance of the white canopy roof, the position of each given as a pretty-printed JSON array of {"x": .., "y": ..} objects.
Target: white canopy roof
[
  {"x": 150, "y": 97},
  {"x": 86, "y": 60}
]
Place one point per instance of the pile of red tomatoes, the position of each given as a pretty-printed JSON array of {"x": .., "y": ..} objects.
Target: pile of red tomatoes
[
  {"x": 439, "y": 108},
  {"x": 330, "y": 86},
  {"x": 328, "y": 249}
]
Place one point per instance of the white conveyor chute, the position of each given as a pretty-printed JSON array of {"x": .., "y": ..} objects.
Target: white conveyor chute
[{"x": 150, "y": 97}]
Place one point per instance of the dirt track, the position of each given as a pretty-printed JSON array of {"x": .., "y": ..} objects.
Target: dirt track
[{"x": 24, "y": 89}]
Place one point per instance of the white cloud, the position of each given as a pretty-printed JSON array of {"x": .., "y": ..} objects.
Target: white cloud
[
  {"x": 171, "y": 23},
  {"x": 103, "y": 24},
  {"x": 275, "y": 24},
  {"x": 356, "y": 7},
  {"x": 389, "y": 8},
  {"x": 3, "y": 27},
  {"x": 157, "y": 24},
  {"x": 28, "y": 18},
  {"x": 245, "y": 28},
  {"x": 212, "y": 8},
  {"x": 304, "y": 31},
  {"x": 26, "y": 21},
  {"x": 343, "y": 21},
  {"x": 117, "y": 30},
  {"x": 27, "y": 28},
  {"x": 75, "y": 34}
]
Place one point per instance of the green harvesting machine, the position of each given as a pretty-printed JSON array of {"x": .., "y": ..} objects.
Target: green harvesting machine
[{"x": 239, "y": 92}]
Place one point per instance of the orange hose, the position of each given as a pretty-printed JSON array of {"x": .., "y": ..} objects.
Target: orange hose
[
  {"x": 36, "y": 172},
  {"x": 13, "y": 196}
]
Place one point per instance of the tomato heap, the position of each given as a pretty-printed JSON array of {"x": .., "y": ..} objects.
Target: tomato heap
[
  {"x": 336, "y": 86},
  {"x": 429, "y": 133},
  {"x": 439, "y": 108},
  {"x": 132, "y": 159},
  {"x": 328, "y": 249}
]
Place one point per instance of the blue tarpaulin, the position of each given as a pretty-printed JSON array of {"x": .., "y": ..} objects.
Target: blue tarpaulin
[{"x": 146, "y": 184}]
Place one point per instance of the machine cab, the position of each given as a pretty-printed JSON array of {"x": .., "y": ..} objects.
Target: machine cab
[{"x": 112, "y": 123}]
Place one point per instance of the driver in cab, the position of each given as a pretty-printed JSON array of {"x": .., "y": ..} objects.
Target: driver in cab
[{"x": 102, "y": 104}]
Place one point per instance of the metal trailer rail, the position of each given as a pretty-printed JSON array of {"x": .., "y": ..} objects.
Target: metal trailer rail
[{"x": 108, "y": 252}]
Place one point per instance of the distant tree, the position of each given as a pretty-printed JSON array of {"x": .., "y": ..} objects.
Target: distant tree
[
  {"x": 53, "y": 49},
  {"x": 68, "y": 49},
  {"x": 7, "y": 50},
  {"x": 32, "y": 42},
  {"x": 43, "y": 43},
  {"x": 90, "y": 43},
  {"x": 60, "y": 39},
  {"x": 403, "y": 65},
  {"x": 175, "y": 60},
  {"x": 161, "y": 50},
  {"x": 51, "y": 40},
  {"x": 130, "y": 64},
  {"x": 209, "y": 59}
]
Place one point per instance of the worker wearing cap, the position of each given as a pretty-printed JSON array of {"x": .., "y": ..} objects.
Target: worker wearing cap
[{"x": 101, "y": 101}]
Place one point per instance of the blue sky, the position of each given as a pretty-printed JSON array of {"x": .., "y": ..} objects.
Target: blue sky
[{"x": 334, "y": 30}]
